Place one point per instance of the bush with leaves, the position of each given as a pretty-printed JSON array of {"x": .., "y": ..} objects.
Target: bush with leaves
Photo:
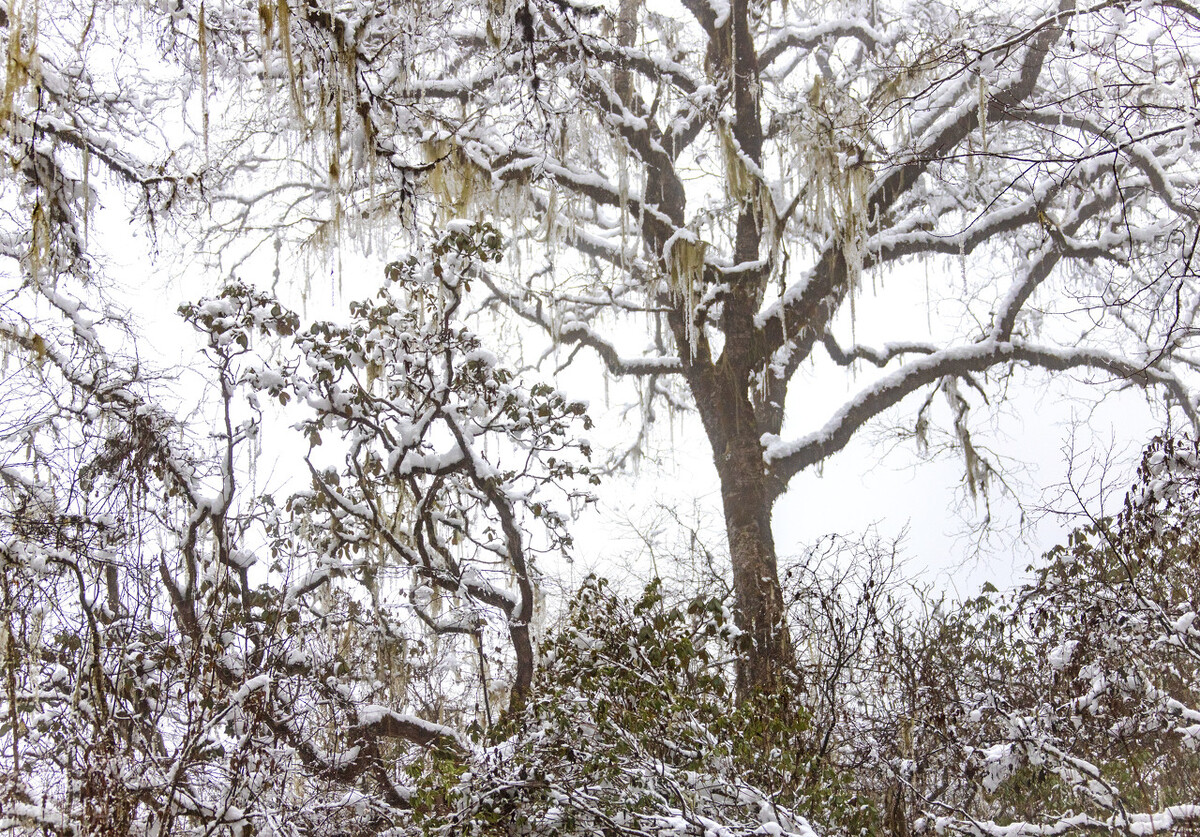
[
  {"x": 1072, "y": 703},
  {"x": 634, "y": 729}
]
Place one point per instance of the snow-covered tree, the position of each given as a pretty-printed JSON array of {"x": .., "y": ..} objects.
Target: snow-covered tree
[
  {"x": 182, "y": 656},
  {"x": 708, "y": 198},
  {"x": 700, "y": 197}
]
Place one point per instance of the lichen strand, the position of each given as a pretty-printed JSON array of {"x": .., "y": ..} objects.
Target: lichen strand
[
  {"x": 20, "y": 59},
  {"x": 833, "y": 179},
  {"x": 283, "y": 23},
  {"x": 456, "y": 184},
  {"x": 685, "y": 265}
]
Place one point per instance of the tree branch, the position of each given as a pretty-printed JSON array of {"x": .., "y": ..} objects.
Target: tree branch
[{"x": 786, "y": 459}]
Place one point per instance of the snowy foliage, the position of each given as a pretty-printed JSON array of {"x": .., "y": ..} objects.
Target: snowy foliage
[
  {"x": 191, "y": 659},
  {"x": 1066, "y": 705},
  {"x": 634, "y": 730},
  {"x": 700, "y": 199}
]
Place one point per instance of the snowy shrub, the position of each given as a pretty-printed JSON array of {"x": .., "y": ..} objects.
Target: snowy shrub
[
  {"x": 1073, "y": 700},
  {"x": 633, "y": 728}
]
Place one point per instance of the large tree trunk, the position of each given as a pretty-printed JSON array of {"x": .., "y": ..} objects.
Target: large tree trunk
[
  {"x": 723, "y": 396},
  {"x": 745, "y": 492},
  {"x": 723, "y": 390},
  {"x": 767, "y": 650}
]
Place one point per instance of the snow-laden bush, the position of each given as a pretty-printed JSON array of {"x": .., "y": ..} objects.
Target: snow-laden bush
[
  {"x": 1072, "y": 703},
  {"x": 633, "y": 729}
]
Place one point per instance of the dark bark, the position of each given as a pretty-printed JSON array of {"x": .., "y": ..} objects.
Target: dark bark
[
  {"x": 723, "y": 388},
  {"x": 745, "y": 493},
  {"x": 766, "y": 650}
]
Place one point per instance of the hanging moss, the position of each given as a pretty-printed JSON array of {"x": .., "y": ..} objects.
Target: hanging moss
[
  {"x": 40, "y": 237},
  {"x": 685, "y": 262},
  {"x": 455, "y": 182},
  {"x": 834, "y": 178},
  {"x": 202, "y": 40},
  {"x": 20, "y": 59},
  {"x": 283, "y": 23}
]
